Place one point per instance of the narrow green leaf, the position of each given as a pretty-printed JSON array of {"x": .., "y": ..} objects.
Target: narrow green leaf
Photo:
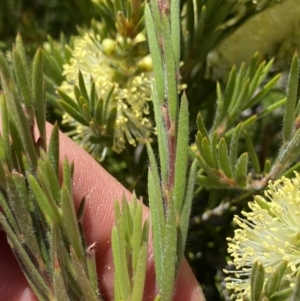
[
  {"x": 21, "y": 74},
  {"x": 73, "y": 112},
  {"x": 77, "y": 94},
  {"x": 200, "y": 125},
  {"x": 214, "y": 146},
  {"x": 5, "y": 73},
  {"x": 156, "y": 182},
  {"x": 140, "y": 274},
  {"x": 265, "y": 89},
  {"x": 38, "y": 91},
  {"x": 234, "y": 146},
  {"x": 99, "y": 112},
  {"x": 239, "y": 102},
  {"x": 93, "y": 97},
  {"x": 54, "y": 247},
  {"x": 255, "y": 80},
  {"x": 257, "y": 280},
  {"x": 170, "y": 71},
  {"x": 117, "y": 292},
  {"x": 296, "y": 292},
  {"x": 21, "y": 49},
  {"x": 81, "y": 210},
  {"x": 5, "y": 130},
  {"x": 121, "y": 274},
  {"x": 290, "y": 105},
  {"x": 122, "y": 249},
  {"x": 16, "y": 113},
  {"x": 60, "y": 289},
  {"x": 107, "y": 102},
  {"x": 17, "y": 150},
  {"x": 47, "y": 206},
  {"x": 47, "y": 172},
  {"x": 49, "y": 184},
  {"x": 111, "y": 121},
  {"x": 199, "y": 139},
  {"x": 282, "y": 295},
  {"x": 158, "y": 228},
  {"x": 2, "y": 150},
  {"x": 267, "y": 166},
  {"x": 161, "y": 133},
  {"x": 86, "y": 113},
  {"x": 274, "y": 280},
  {"x": 82, "y": 86},
  {"x": 156, "y": 17},
  {"x": 7, "y": 210},
  {"x": 271, "y": 108},
  {"x": 127, "y": 218},
  {"x": 224, "y": 158},
  {"x": 169, "y": 254},
  {"x": 249, "y": 121},
  {"x": 71, "y": 228},
  {"x": 83, "y": 102},
  {"x": 210, "y": 172},
  {"x": 155, "y": 54},
  {"x": 33, "y": 276},
  {"x": 263, "y": 204},
  {"x": 53, "y": 148},
  {"x": 175, "y": 30},
  {"x": 207, "y": 153},
  {"x": 181, "y": 160},
  {"x": 253, "y": 65},
  {"x": 21, "y": 206},
  {"x": 68, "y": 100},
  {"x": 241, "y": 170},
  {"x": 289, "y": 152},
  {"x": 228, "y": 92},
  {"x": 136, "y": 237},
  {"x": 81, "y": 277},
  {"x": 239, "y": 83},
  {"x": 68, "y": 271},
  {"x": 185, "y": 214},
  {"x": 91, "y": 269},
  {"x": 145, "y": 234}
]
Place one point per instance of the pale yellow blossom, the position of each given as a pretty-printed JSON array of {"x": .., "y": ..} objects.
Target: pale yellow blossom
[
  {"x": 269, "y": 233},
  {"x": 131, "y": 93}
]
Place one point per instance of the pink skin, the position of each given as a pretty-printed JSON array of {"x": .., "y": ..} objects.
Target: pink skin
[{"x": 100, "y": 189}]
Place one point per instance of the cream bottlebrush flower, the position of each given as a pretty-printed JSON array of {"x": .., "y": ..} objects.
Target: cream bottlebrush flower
[
  {"x": 130, "y": 95},
  {"x": 269, "y": 233}
]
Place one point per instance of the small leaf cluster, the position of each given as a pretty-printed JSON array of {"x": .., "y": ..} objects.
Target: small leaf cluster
[
  {"x": 43, "y": 229},
  {"x": 123, "y": 17},
  {"x": 92, "y": 111},
  {"x": 218, "y": 150},
  {"x": 130, "y": 250}
]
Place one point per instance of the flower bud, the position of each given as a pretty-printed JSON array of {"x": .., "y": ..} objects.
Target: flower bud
[
  {"x": 109, "y": 46},
  {"x": 145, "y": 64}
]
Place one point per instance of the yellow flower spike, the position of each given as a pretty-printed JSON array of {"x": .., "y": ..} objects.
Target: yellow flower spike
[
  {"x": 269, "y": 233},
  {"x": 121, "y": 80}
]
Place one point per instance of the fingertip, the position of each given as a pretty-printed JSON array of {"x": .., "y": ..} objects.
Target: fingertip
[{"x": 27, "y": 295}]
